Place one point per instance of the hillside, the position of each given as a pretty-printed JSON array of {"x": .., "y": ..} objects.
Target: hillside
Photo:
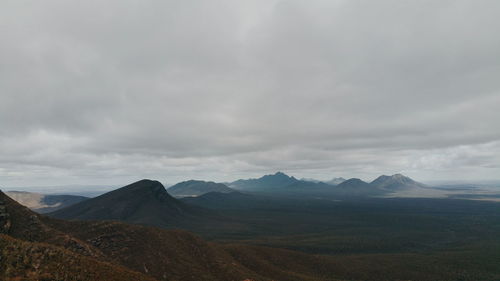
[{"x": 197, "y": 188}]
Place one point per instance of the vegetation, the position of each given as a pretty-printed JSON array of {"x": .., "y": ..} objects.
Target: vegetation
[{"x": 255, "y": 237}]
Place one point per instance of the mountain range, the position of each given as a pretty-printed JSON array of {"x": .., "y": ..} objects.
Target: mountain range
[{"x": 282, "y": 183}]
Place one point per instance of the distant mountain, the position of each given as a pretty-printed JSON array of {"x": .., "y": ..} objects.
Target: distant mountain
[
  {"x": 282, "y": 184},
  {"x": 197, "y": 188},
  {"x": 395, "y": 182},
  {"x": 336, "y": 181},
  {"x": 143, "y": 202},
  {"x": 265, "y": 183},
  {"x": 43, "y": 203}
]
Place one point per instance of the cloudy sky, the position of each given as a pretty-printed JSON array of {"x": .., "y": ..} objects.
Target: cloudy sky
[{"x": 107, "y": 92}]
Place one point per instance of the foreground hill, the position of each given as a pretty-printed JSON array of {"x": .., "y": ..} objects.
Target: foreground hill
[
  {"x": 33, "y": 250},
  {"x": 142, "y": 202},
  {"x": 197, "y": 188},
  {"x": 44, "y": 203}
]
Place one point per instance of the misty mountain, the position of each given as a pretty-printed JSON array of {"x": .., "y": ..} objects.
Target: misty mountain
[
  {"x": 44, "y": 203},
  {"x": 197, "y": 188},
  {"x": 142, "y": 202},
  {"x": 310, "y": 180},
  {"x": 336, "y": 181},
  {"x": 396, "y": 182}
]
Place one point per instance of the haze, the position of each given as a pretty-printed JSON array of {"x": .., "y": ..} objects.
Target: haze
[{"x": 107, "y": 92}]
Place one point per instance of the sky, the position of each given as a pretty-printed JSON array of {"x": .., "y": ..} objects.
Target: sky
[{"x": 109, "y": 92}]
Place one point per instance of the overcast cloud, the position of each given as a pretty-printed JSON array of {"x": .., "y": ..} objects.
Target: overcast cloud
[{"x": 106, "y": 92}]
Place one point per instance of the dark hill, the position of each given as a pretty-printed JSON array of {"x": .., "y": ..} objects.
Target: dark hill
[
  {"x": 197, "y": 188},
  {"x": 142, "y": 202}
]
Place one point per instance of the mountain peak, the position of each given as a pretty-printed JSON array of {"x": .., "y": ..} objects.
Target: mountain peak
[
  {"x": 396, "y": 181},
  {"x": 145, "y": 184},
  {"x": 143, "y": 188}
]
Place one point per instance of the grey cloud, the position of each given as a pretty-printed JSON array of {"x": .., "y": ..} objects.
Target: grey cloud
[{"x": 95, "y": 92}]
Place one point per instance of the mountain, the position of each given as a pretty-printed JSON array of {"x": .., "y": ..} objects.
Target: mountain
[
  {"x": 336, "y": 181},
  {"x": 142, "y": 202},
  {"x": 43, "y": 203},
  {"x": 265, "y": 183},
  {"x": 197, "y": 188},
  {"x": 396, "y": 182}
]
